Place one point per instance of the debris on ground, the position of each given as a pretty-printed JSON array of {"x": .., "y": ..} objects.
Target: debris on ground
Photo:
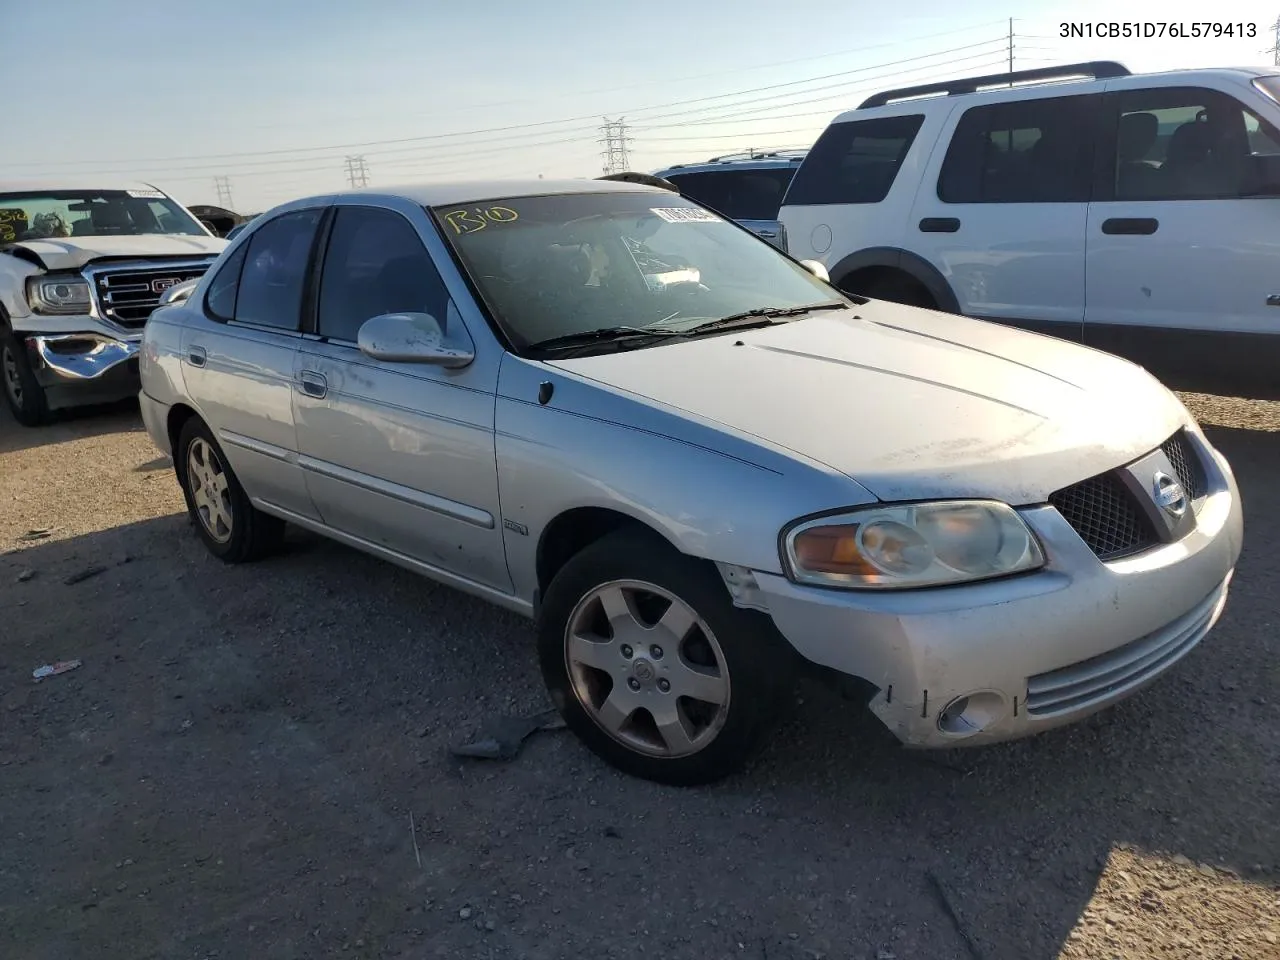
[
  {"x": 53, "y": 669},
  {"x": 503, "y": 737},
  {"x": 26, "y": 575},
  {"x": 85, "y": 574},
  {"x": 42, "y": 534}
]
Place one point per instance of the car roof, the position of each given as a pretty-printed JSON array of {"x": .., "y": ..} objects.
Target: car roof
[
  {"x": 783, "y": 159},
  {"x": 1033, "y": 89},
  {"x": 71, "y": 183},
  {"x": 471, "y": 191}
]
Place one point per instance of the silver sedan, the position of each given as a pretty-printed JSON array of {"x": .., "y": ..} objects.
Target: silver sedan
[{"x": 696, "y": 464}]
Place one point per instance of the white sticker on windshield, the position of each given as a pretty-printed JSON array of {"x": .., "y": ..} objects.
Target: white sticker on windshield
[
  {"x": 685, "y": 215},
  {"x": 146, "y": 194}
]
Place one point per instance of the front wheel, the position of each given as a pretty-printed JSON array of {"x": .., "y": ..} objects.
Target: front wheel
[
  {"x": 652, "y": 666},
  {"x": 24, "y": 395}
]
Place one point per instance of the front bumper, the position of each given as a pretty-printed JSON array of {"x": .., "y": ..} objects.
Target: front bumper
[
  {"x": 1031, "y": 652},
  {"x": 82, "y": 363}
]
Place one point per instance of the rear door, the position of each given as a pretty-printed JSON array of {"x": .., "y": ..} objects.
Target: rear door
[
  {"x": 749, "y": 196},
  {"x": 238, "y": 361},
  {"x": 1001, "y": 212},
  {"x": 1183, "y": 272}
]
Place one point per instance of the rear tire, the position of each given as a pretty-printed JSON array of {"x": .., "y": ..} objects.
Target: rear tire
[
  {"x": 899, "y": 288},
  {"x": 651, "y": 664},
  {"x": 22, "y": 393},
  {"x": 234, "y": 530}
]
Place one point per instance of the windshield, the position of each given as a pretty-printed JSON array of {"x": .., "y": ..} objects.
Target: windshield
[
  {"x": 555, "y": 266},
  {"x": 91, "y": 213}
]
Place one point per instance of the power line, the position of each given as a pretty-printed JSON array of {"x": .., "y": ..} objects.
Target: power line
[
  {"x": 527, "y": 126},
  {"x": 357, "y": 172},
  {"x": 614, "y": 137}
]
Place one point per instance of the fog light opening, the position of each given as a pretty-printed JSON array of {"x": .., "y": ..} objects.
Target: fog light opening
[{"x": 972, "y": 713}]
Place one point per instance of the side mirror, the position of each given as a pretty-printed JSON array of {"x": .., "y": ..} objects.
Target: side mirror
[
  {"x": 179, "y": 292},
  {"x": 413, "y": 338},
  {"x": 817, "y": 269},
  {"x": 1262, "y": 177}
]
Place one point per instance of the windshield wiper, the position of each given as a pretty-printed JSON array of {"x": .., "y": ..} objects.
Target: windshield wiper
[
  {"x": 619, "y": 335},
  {"x": 762, "y": 316}
]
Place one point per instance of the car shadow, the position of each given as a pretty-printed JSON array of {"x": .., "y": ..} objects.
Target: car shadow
[
  {"x": 72, "y": 424},
  {"x": 289, "y": 713}
]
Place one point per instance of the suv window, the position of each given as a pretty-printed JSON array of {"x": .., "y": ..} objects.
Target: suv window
[
  {"x": 1185, "y": 144},
  {"x": 737, "y": 194},
  {"x": 270, "y": 285},
  {"x": 854, "y": 162},
  {"x": 1028, "y": 151},
  {"x": 375, "y": 264}
]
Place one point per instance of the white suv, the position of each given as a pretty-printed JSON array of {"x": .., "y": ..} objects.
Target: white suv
[{"x": 1139, "y": 214}]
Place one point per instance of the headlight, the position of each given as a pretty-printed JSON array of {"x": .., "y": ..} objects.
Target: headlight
[
  {"x": 58, "y": 295},
  {"x": 911, "y": 545}
]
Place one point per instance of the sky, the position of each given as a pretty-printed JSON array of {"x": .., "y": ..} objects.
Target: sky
[{"x": 274, "y": 95}]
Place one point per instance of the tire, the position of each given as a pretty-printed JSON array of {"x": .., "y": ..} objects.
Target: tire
[
  {"x": 899, "y": 288},
  {"x": 23, "y": 394},
  {"x": 233, "y": 529},
  {"x": 614, "y": 694}
]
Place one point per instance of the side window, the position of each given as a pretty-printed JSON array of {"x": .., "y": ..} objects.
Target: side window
[
  {"x": 220, "y": 301},
  {"x": 375, "y": 264},
  {"x": 854, "y": 162},
  {"x": 1186, "y": 144},
  {"x": 275, "y": 269},
  {"x": 1027, "y": 151}
]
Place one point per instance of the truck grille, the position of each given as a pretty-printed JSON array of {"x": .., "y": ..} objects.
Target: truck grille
[
  {"x": 1102, "y": 511},
  {"x": 126, "y": 297}
]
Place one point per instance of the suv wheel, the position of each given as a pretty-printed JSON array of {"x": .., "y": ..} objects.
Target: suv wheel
[
  {"x": 898, "y": 288},
  {"x": 233, "y": 529},
  {"x": 651, "y": 664},
  {"x": 21, "y": 391}
]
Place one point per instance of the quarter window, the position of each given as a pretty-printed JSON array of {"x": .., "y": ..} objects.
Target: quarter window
[
  {"x": 375, "y": 264},
  {"x": 1028, "y": 151},
  {"x": 220, "y": 301},
  {"x": 274, "y": 272},
  {"x": 854, "y": 162}
]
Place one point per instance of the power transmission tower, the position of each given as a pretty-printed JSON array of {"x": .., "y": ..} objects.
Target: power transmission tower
[
  {"x": 615, "y": 140},
  {"x": 223, "y": 186},
  {"x": 1011, "y": 48},
  {"x": 357, "y": 172},
  {"x": 1275, "y": 50}
]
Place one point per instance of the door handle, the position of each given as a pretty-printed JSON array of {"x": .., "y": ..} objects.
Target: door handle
[
  {"x": 939, "y": 225},
  {"x": 768, "y": 234},
  {"x": 196, "y": 356},
  {"x": 313, "y": 384},
  {"x": 1130, "y": 226}
]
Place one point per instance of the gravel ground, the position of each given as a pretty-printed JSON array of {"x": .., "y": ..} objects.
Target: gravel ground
[{"x": 233, "y": 771}]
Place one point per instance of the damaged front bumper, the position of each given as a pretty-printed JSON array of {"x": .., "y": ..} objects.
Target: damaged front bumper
[
  {"x": 82, "y": 366},
  {"x": 81, "y": 356}
]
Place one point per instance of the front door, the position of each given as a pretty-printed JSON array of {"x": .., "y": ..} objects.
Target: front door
[
  {"x": 399, "y": 455},
  {"x": 1183, "y": 270},
  {"x": 238, "y": 363},
  {"x": 1003, "y": 219}
]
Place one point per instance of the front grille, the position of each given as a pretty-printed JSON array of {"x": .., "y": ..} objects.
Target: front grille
[
  {"x": 1102, "y": 511},
  {"x": 1187, "y": 465},
  {"x": 1100, "y": 678},
  {"x": 127, "y": 297}
]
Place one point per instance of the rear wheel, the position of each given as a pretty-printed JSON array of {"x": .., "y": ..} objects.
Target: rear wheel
[
  {"x": 652, "y": 666},
  {"x": 898, "y": 288},
  {"x": 21, "y": 391},
  {"x": 231, "y": 527}
]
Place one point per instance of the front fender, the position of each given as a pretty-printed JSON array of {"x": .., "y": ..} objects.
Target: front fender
[{"x": 711, "y": 493}]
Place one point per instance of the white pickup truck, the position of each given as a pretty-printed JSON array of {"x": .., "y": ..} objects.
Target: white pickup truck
[{"x": 81, "y": 269}]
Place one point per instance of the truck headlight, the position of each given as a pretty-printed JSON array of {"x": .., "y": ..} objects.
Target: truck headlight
[
  {"x": 894, "y": 546},
  {"x": 58, "y": 295}
]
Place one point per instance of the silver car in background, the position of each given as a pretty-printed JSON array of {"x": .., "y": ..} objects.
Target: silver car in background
[{"x": 694, "y": 463}]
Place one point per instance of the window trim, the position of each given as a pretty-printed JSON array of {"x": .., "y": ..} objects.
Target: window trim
[
  {"x": 245, "y": 243},
  {"x": 1090, "y": 128},
  {"x": 1104, "y": 185}
]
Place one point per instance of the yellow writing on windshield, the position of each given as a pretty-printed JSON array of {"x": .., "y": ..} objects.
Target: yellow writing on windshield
[{"x": 471, "y": 220}]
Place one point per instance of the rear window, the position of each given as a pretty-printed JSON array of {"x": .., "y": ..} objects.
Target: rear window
[
  {"x": 737, "y": 194},
  {"x": 854, "y": 162}
]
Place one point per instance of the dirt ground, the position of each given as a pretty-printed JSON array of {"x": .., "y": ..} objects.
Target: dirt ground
[{"x": 233, "y": 771}]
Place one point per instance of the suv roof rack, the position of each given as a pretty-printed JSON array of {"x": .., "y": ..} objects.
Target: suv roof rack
[{"x": 1093, "y": 70}]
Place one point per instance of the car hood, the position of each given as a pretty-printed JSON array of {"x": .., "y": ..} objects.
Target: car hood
[
  {"x": 72, "y": 253},
  {"x": 911, "y": 403}
]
